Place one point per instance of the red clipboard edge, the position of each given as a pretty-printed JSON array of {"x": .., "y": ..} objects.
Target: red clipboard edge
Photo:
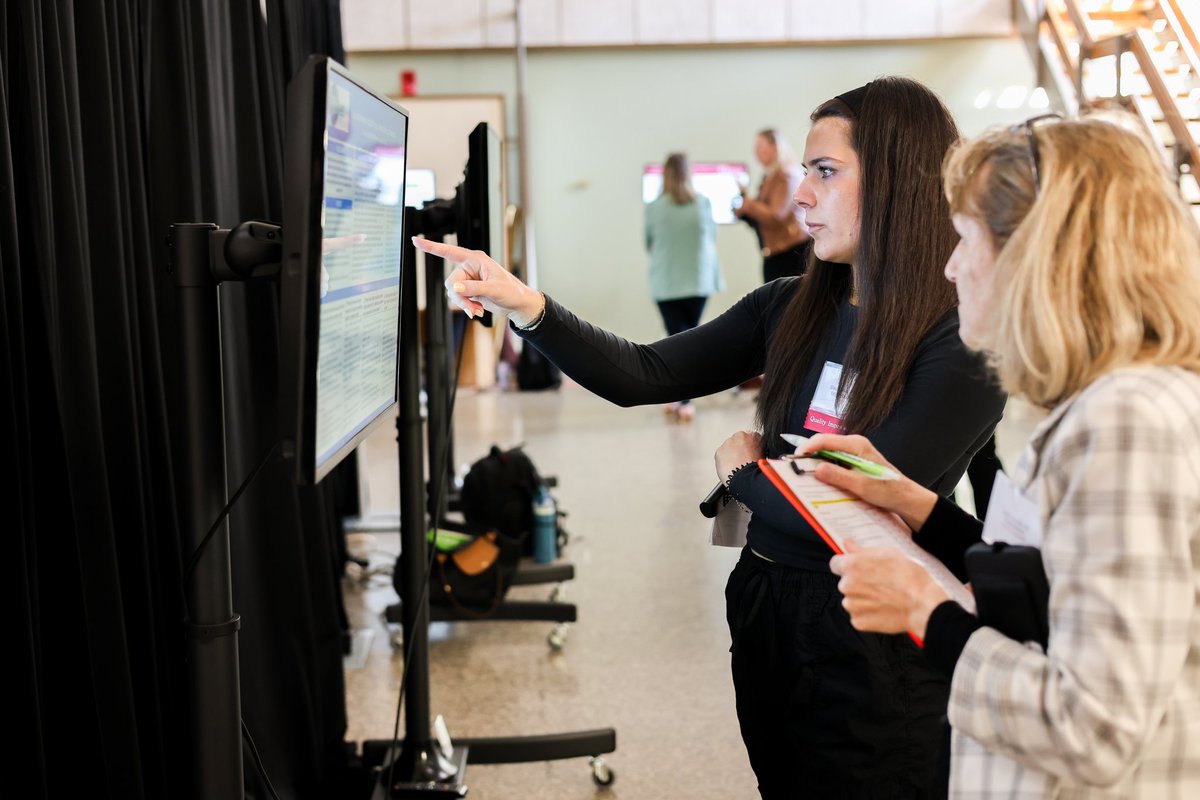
[
  {"x": 765, "y": 466},
  {"x": 790, "y": 496}
]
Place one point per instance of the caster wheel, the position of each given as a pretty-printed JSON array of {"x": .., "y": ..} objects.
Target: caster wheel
[
  {"x": 558, "y": 594},
  {"x": 602, "y": 774},
  {"x": 558, "y": 637},
  {"x": 396, "y": 638}
]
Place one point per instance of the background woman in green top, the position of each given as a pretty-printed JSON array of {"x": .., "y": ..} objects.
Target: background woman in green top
[{"x": 684, "y": 271}]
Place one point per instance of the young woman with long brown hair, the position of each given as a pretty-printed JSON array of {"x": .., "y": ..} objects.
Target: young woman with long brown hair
[{"x": 867, "y": 342}]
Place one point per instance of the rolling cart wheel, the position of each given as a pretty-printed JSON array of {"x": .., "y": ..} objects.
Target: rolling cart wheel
[
  {"x": 558, "y": 636},
  {"x": 602, "y": 774}
]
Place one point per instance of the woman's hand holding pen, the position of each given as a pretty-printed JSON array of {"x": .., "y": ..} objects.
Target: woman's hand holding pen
[
  {"x": 740, "y": 448},
  {"x": 479, "y": 284},
  {"x": 907, "y": 498}
]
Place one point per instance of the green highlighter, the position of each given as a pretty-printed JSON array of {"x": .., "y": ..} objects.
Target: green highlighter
[
  {"x": 847, "y": 460},
  {"x": 851, "y": 461}
]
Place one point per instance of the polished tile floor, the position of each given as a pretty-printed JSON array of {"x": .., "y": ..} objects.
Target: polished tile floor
[{"x": 649, "y": 654}]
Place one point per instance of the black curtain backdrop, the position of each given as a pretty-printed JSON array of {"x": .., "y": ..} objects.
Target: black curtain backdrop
[{"x": 119, "y": 118}]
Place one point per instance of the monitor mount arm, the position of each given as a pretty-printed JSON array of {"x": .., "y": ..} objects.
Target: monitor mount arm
[{"x": 251, "y": 250}]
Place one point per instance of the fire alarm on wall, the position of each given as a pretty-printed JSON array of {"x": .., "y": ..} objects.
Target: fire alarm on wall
[{"x": 408, "y": 82}]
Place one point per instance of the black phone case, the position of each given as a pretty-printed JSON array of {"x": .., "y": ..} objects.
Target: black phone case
[{"x": 1012, "y": 594}]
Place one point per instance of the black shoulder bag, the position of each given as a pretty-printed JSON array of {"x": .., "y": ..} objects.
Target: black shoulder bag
[{"x": 1012, "y": 594}]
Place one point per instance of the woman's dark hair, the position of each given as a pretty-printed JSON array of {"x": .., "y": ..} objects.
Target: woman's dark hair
[{"x": 900, "y": 134}]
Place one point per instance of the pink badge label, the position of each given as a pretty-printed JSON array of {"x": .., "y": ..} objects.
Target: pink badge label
[{"x": 822, "y": 423}]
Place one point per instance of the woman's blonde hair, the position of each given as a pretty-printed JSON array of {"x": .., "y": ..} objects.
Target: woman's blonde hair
[
  {"x": 677, "y": 179},
  {"x": 1097, "y": 268}
]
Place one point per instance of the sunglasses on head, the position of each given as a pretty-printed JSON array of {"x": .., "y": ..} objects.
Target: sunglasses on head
[{"x": 1028, "y": 126}]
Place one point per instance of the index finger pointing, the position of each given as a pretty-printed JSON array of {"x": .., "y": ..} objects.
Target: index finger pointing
[{"x": 447, "y": 251}]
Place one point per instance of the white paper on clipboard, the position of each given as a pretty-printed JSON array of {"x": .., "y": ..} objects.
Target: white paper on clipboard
[{"x": 837, "y": 516}]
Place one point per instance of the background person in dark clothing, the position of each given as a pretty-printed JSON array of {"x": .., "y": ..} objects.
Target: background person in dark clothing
[
  {"x": 772, "y": 213},
  {"x": 824, "y": 711}
]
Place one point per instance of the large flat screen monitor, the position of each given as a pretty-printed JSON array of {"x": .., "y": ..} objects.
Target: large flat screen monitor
[
  {"x": 719, "y": 181},
  {"x": 343, "y": 239}
]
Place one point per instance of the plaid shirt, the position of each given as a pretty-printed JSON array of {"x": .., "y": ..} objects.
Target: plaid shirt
[{"x": 1112, "y": 708}]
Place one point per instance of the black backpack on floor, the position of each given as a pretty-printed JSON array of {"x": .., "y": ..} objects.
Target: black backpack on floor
[{"x": 498, "y": 494}]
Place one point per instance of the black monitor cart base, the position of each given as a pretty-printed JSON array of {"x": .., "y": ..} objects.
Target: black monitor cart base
[
  {"x": 436, "y": 776},
  {"x": 506, "y": 610},
  {"x": 503, "y": 750},
  {"x": 418, "y": 768}
]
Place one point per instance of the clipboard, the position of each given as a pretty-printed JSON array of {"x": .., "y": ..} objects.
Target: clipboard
[{"x": 836, "y": 515}]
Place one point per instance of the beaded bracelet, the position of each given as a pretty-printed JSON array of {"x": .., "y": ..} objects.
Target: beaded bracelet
[
  {"x": 729, "y": 482},
  {"x": 536, "y": 320},
  {"x": 735, "y": 471}
]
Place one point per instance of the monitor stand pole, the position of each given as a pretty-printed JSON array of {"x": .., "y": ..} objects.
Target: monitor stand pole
[
  {"x": 421, "y": 769},
  {"x": 198, "y": 265}
]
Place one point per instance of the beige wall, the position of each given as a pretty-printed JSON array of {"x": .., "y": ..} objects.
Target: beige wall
[
  {"x": 471, "y": 24},
  {"x": 597, "y": 116}
]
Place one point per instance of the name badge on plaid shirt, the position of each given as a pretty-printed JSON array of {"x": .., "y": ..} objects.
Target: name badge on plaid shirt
[{"x": 1012, "y": 517}]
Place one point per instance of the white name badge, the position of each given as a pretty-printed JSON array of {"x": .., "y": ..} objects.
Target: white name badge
[
  {"x": 1012, "y": 517},
  {"x": 826, "y": 410}
]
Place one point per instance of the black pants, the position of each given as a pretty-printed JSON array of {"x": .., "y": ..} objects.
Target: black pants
[
  {"x": 681, "y": 314},
  {"x": 826, "y": 711},
  {"x": 789, "y": 262}
]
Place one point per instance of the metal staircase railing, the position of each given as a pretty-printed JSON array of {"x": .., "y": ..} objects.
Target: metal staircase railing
[{"x": 1138, "y": 38}]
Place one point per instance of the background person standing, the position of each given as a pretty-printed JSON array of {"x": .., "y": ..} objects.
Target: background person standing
[
  {"x": 681, "y": 238},
  {"x": 773, "y": 214}
]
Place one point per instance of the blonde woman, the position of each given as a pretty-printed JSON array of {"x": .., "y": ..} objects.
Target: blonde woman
[
  {"x": 681, "y": 238},
  {"x": 1078, "y": 273},
  {"x": 775, "y": 218}
]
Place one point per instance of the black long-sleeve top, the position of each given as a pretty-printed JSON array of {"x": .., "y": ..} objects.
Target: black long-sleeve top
[
  {"x": 947, "y": 411},
  {"x": 947, "y": 534}
]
